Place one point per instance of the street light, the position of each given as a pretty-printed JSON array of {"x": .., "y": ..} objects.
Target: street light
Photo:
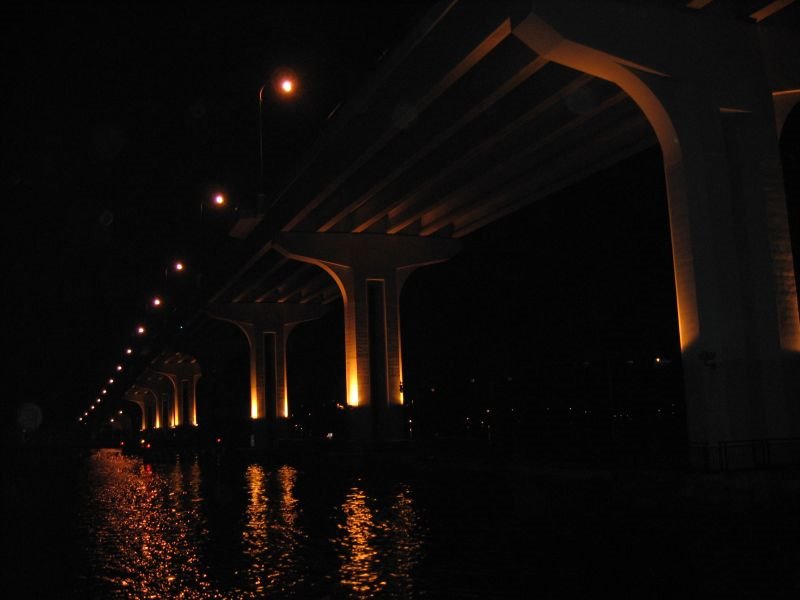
[
  {"x": 177, "y": 266},
  {"x": 217, "y": 201},
  {"x": 285, "y": 84}
]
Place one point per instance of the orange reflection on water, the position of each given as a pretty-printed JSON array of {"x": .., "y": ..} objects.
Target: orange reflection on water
[
  {"x": 379, "y": 551},
  {"x": 144, "y": 528},
  {"x": 359, "y": 569},
  {"x": 271, "y": 535}
]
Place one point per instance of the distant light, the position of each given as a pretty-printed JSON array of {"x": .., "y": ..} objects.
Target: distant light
[
  {"x": 92, "y": 406},
  {"x": 104, "y": 391},
  {"x": 120, "y": 412},
  {"x": 219, "y": 200},
  {"x": 86, "y": 414},
  {"x": 147, "y": 445},
  {"x": 98, "y": 400},
  {"x": 80, "y": 418},
  {"x": 128, "y": 351},
  {"x": 658, "y": 360},
  {"x": 122, "y": 443},
  {"x": 111, "y": 381},
  {"x": 178, "y": 266},
  {"x": 140, "y": 330},
  {"x": 156, "y": 301},
  {"x": 111, "y": 420},
  {"x": 287, "y": 86},
  {"x": 119, "y": 367},
  {"x": 219, "y": 440}
]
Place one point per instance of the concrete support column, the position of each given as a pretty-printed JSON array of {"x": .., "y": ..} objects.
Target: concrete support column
[
  {"x": 708, "y": 95},
  {"x": 267, "y": 327},
  {"x": 142, "y": 407},
  {"x": 146, "y": 399},
  {"x": 370, "y": 271}
]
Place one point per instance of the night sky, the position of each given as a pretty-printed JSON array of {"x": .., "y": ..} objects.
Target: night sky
[{"x": 124, "y": 118}]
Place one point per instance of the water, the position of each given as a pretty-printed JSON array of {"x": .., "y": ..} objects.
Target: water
[{"x": 113, "y": 526}]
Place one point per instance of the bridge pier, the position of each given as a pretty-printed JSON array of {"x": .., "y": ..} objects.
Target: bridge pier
[
  {"x": 267, "y": 328},
  {"x": 370, "y": 270},
  {"x": 715, "y": 120}
]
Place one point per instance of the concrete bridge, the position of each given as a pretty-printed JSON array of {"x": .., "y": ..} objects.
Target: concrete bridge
[{"x": 489, "y": 106}]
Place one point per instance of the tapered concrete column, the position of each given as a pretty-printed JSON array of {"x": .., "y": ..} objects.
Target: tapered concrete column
[
  {"x": 370, "y": 271},
  {"x": 706, "y": 92},
  {"x": 267, "y": 327}
]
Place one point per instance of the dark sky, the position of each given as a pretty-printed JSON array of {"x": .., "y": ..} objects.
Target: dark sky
[{"x": 123, "y": 118}]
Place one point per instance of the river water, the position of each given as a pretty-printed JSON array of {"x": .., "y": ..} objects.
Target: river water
[{"x": 108, "y": 525}]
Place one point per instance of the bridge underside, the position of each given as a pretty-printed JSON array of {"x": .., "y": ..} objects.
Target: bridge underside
[{"x": 488, "y": 107}]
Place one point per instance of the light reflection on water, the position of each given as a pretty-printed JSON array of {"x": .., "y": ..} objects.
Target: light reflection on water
[
  {"x": 272, "y": 540},
  {"x": 378, "y": 552},
  {"x": 152, "y": 536}
]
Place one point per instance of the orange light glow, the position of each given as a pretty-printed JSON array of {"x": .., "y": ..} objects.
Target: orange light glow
[
  {"x": 219, "y": 200},
  {"x": 156, "y": 301},
  {"x": 287, "y": 86},
  {"x": 140, "y": 330},
  {"x": 352, "y": 395},
  {"x": 254, "y": 405},
  {"x": 178, "y": 266}
]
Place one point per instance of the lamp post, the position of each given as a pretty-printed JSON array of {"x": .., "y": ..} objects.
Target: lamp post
[{"x": 285, "y": 85}]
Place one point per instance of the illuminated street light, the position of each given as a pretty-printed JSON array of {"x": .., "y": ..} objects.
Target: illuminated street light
[
  {"x": 91, "y": 407},
  {"x": 140, "y": 330},
  {"x": 128, "y": 351},
  {"x": 119, "y": 368},
  {"x": 217, "y": 202},
  {"x": 286, "y": 85},
  {"x": 177, "y": 266},
  {"x": 104, "y": 391},
  {"x": 156, "y": 301},
  {"x": 111, "y": 381}
]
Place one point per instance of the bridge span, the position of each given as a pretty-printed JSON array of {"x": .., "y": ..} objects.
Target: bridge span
[{"x": 488, "y": 107}]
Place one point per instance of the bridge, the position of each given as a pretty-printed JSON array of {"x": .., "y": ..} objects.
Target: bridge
[{"x": 488, "y": 107}]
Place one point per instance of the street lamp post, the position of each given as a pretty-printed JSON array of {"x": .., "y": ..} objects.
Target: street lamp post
[{"x": 286, "y": 86}]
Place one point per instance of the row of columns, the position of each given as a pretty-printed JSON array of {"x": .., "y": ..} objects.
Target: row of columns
[
  {"x": 715, "y": 120},
  {"x": 369, "y": 270},
  {"x": 166, "y": 393}
]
